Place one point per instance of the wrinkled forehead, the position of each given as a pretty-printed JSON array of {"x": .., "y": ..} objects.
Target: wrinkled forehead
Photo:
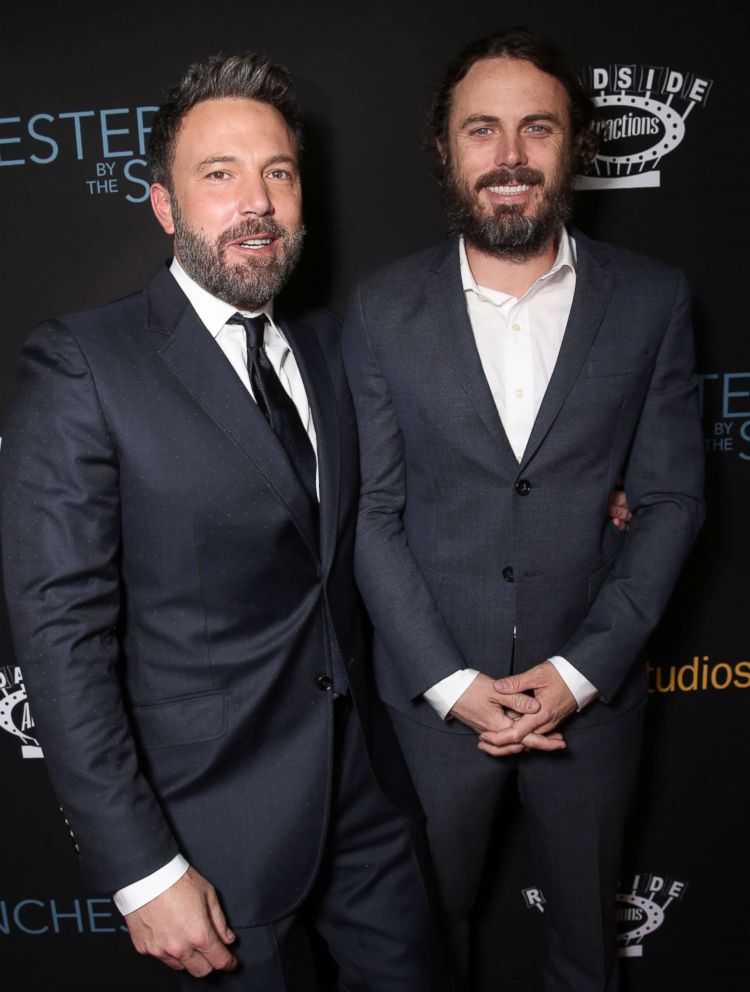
[{"x": 507, "y": 89}]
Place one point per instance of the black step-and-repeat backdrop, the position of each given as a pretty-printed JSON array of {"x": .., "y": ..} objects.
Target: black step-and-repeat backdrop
[{"x": 79, "y": 85}]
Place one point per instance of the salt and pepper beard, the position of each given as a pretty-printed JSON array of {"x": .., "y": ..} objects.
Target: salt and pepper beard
[
  {"x": 246, "y": 285},
  {"x": 505, "y": 232}
]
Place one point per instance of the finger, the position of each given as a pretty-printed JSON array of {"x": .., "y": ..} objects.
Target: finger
[
  {"x": 142, "y": 947},
  {"x": 515, "y": 734},
  {"x": 196, "y": 964},
  {"x": 538, "y": 742},
  {"x": 216, "y": 914},
  {"x": 518, "y": 685},
  {"x": 515, "y": 716},
  {"x": 216, "y": 954},
  {"x": 499, "y": 752},
  {"x": 519, "y": 702},
  {"x": 619, "y": 500},
  {"x": 170, "y": 962}
]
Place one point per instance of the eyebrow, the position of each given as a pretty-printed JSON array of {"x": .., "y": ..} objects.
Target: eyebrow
[
  {"x": 542, "y": 115},
  {"x": 230, "y": 159}
]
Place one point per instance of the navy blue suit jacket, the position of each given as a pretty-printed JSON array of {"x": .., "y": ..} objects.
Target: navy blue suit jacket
[
  {"x": 173, "y": 598},
  {"x": 459, "y": 547}
]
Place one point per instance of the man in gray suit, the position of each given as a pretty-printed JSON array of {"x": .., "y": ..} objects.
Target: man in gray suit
[{"x": 504, "y": 381}]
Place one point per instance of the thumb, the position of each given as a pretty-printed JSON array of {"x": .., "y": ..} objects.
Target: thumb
[
  {"x": 519, "y": 702},
  {"x": 515, "y": 683}
]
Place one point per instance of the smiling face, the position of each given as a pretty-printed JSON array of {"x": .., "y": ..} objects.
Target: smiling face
[
  {"x": 235, "y": 205},
  {"x": 507, "y": 180}
]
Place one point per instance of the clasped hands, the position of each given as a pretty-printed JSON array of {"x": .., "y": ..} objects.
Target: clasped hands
[{"x": 517, "y": 713}]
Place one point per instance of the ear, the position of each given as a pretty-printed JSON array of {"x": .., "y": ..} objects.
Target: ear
[
  {"x": 161, "y": 204},
  {"x": 441, "y": 150}
]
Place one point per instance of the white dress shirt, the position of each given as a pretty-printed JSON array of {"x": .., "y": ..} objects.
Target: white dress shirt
[
  {"x": 214, "y": 314},
  {"x": 518, "y": 340}
]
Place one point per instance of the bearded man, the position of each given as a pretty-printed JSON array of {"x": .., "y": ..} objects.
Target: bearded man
[
  {"x": 179, "y": 483},
  {"x": 504, "y": 382}
]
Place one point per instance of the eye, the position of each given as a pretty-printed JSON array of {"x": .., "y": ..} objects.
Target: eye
[
  {"x": 279, "y": 174},
  {"x": 218, "y": 175},
  {"x": 482, "y": 131},
  {"x": 538, "y": 129}
]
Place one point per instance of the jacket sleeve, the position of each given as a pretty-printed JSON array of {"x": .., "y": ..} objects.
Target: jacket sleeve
[
  {"x": 400, "y": 604},
  {"x": 663, "y": 478},
  {"x": 61, "y": 548}
]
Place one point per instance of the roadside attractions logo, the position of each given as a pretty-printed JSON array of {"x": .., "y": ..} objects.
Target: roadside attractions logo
[
  {"x": 15, "y": 713},
  {"x": 644, "y": 112},
  {"x": 110, "y": 143},
  {"x": 642, "y": 905},
  {"x": 642, "y": 908}
]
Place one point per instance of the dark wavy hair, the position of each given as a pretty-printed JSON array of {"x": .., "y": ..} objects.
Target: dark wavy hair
[
  {"x": 252, "y": 76},
  {"x": 515, "y": 42}
]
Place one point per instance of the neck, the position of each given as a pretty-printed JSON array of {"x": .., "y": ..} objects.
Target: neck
[{"x": 506, "y": 275}]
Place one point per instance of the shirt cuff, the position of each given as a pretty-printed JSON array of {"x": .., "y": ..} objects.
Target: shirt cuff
[
  {"x": 445, "y": 694},
  {"x": 137, "y": 894},
  {"x": 578, "y": 684}
]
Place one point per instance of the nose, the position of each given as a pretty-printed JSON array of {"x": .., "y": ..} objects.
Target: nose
[
  {"x": 510, "y": 150},
  {"x": 254, "y": 198}
]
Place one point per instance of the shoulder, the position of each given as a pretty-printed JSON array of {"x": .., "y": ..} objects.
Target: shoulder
[
  {"x": 87, "y": 329},
  {"x": 630, "y": 266},
  {"x": 404, "y": 274},
  {"x": 388, "y": 296}
]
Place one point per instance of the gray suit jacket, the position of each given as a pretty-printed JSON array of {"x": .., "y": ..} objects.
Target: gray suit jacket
[{"x": 458, "y": 544}]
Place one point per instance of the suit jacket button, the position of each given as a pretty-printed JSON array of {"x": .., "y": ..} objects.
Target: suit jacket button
[
  {"x": 523, "y": 487},
  {"x": 323, "y": 682},
  {"x": 508, "y": 574}
]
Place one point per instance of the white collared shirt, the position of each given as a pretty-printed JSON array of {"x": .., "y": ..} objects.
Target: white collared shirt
[
  {"x": 214, "y": 314},
  {"x": 518, "y": 340}
]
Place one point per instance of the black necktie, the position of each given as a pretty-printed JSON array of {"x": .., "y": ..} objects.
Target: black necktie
[
  {"x": 279, "y": 410},
  {"x": 276, "y": 405}
]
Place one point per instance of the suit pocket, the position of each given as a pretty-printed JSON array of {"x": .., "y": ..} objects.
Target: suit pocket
[{"x": 185, "y": 720}]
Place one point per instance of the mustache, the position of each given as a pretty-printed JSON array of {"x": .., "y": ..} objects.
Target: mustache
[
  {"x": 506, "y": 177},
  {"x": 251, "y": 228}
]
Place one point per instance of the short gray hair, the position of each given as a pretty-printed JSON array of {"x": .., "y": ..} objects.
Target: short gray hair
[{"x": 250, "y": 76}]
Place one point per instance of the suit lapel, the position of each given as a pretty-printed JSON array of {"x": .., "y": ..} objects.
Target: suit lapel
[
  {"x": 593, "y": 290},
  {"x": 193, "y": 356},
  {"x": 454, "y": 338},
  {"x": 321, "y": 397}
]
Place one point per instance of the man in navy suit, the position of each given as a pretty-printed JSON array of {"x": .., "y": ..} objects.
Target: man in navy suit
[
  {"x": 179, "y": 492},
  {"x": 504, "y": 381}
]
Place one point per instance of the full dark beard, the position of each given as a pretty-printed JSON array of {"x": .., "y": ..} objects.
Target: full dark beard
[
  {"x": 506, "y": 232},
  {"x": 248, "y": 285}
]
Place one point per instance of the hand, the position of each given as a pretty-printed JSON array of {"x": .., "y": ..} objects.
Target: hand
[
  {"x": 484, "y": 709},
  {"x": 550, "y": 691},
  {"x": 618, "y": 510},
  {"x": 184, "y": 927}
]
